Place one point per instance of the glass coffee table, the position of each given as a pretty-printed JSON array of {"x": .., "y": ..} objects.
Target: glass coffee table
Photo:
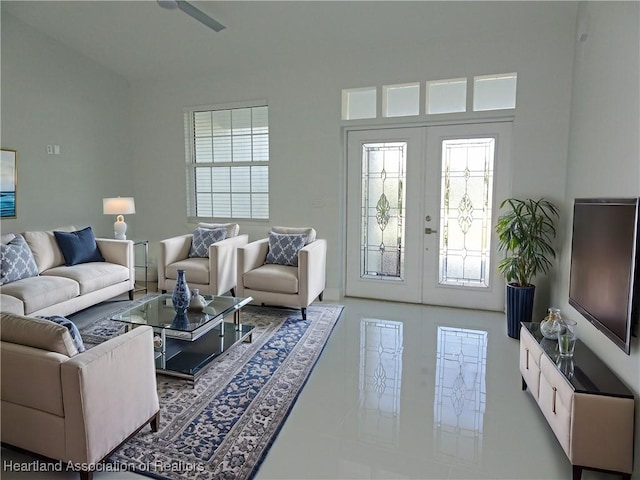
[{"x": 185, "y": 345}]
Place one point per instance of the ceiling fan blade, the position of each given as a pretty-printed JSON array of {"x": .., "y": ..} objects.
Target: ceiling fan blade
[
  {"x": 168, "y": 4},
  {"x": 199, "y": 15}
]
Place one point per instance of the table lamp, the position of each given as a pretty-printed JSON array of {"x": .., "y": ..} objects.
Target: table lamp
[{"x": 119, "y": 206}]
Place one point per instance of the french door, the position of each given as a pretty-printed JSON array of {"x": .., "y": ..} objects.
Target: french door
[{"x": 421, "y": 208}]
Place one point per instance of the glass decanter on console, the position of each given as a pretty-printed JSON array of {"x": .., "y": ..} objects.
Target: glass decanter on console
[{"x": 551, "y": 324}]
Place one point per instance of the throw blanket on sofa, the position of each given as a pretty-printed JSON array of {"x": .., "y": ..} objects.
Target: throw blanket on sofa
[{"x": 73, "y": 330}]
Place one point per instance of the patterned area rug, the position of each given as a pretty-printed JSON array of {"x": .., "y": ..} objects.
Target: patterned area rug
[{"x": 222, "y": 427}]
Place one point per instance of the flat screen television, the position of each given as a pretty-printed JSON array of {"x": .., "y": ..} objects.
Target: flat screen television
[{"x": 605, "y": 280}]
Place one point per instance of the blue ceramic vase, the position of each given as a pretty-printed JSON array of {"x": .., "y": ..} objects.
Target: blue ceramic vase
[
  {"x": 181, "y": 294},
  {"x": 180, "y": 322}
]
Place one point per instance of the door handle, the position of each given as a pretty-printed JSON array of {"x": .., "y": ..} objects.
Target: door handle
[{"x": 429, "y": 231}]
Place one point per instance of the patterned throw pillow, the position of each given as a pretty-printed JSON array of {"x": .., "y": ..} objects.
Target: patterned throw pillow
[
  {"x": 73, "y": 330},
  {"x": 283, "y": 248},
  {"x": 203, "y": 238},
  {"x": 17, "y": 261}
]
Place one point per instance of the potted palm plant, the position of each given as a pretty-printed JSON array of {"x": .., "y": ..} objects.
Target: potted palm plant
[{"x": 525, "y": 234}]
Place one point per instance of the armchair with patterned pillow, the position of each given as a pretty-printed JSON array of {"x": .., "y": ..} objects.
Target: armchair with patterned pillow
[
  {"x": 208, "y": 257},
  {"x": 286, "y": 269}
]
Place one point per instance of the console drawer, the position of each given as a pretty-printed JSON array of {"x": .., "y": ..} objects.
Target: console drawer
[
  {"x": 530, "y": 354},
  {"x": 555, "y": 401}
]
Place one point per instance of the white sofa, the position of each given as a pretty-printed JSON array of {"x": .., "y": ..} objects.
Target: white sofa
[
  {"x": 70, "y": 406},
  {"x": 62, "y": 290}
]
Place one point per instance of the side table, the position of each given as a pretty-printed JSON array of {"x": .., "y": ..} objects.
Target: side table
[{"x": 143, "y": 265}]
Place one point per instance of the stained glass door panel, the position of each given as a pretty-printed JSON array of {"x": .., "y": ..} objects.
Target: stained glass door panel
[
  {"x": 382, "y": 167},
  {"x": 383, "y": 215},
  {"x": 466, "y": 208},
  {"x": 469, "y": 167}
]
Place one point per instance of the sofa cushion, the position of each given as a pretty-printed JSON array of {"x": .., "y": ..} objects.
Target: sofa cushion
[
  {"x": 36, "y": 333},
  {"x": 232, "y": 228},
  {"x": 9, "y": 304},
  {"x": 7, "y": 237},
  {"x": 91, "y": 276},
  {"x": 73, "y": 330},
  {"x": 78, "y": 247},
  {"x": 308, "y": 231},
  {"x": 272, "y": 278},
  {"x": 45, "y": 248},
  {"x": 40, "y": 292},
  {"x": 284, "y": 248},
  {"x": 196, "y": 270},
  {"x": 203, "y": 238},
  {"x": 17, "y": 261}
]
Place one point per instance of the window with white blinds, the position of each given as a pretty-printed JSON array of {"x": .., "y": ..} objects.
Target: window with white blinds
[{"x": 228, "y": 162}]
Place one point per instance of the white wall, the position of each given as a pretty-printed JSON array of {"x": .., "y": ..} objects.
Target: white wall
[
  {"x": 604, "y": 153},
  {"x": 52, "y": 95},
  {"x": 307, "y": 164}
]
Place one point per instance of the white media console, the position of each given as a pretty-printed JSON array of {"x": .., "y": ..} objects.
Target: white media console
[{"x": 588, "y": 408}]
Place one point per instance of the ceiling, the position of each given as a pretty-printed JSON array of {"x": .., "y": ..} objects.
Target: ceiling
[{"x": 141, "y": 41}]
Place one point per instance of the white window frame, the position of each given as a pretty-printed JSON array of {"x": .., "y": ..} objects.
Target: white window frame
[{"x": 191, "y": 165}]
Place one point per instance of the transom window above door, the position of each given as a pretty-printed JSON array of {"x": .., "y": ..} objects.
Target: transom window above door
[{"x": 485, "y": 92}]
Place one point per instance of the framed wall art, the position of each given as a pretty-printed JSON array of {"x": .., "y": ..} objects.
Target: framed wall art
[{"x": 8, "y": 183}]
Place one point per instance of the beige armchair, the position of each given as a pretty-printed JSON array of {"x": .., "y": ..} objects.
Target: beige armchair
[
  {"x": 215, "y": 275},
  {"x": 284, "y": 285},
  {"x": 70, "y": 406}
]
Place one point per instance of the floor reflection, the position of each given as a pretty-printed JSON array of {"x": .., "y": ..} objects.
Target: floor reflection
[
  {"x": 460, "y": 394},
  {"x": 381, "y": 344}
]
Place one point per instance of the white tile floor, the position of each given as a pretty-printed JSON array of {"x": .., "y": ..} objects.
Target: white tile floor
[{"x": 405, "y": 391}]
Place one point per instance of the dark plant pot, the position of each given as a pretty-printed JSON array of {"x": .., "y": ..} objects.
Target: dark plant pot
[{"x": 519, "y": 307}]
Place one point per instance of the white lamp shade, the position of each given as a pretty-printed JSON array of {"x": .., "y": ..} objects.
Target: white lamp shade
[{"x": 118, "y": 206}]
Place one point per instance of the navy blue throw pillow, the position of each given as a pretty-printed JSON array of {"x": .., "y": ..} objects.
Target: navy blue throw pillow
[
  {"x": 73, "y": 330},
  {"x": 78, "y": 247}
]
